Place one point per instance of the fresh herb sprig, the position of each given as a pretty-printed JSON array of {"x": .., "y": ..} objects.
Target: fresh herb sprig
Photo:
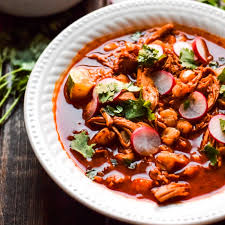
[{"x": 21, "y": 61}]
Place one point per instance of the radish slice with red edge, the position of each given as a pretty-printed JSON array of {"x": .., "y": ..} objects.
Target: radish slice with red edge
[
  {"x": 145, "y": 141},
  {"x": 164, "y": 81},
  {"x": 200, "y": 49},
  {"x": 158, "y": 48},
  {"x": 105, "y": 82},
  {"x": 194, "y": 107},
  {"x": 91, "y": 108},
  {"x": 180, "y": 45},
  {"x": 215, "y": 128}
]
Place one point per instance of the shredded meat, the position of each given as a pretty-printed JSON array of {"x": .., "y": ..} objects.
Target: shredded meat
[
  {"x": 171, "y": 190},
  {"x": 149, "y": 91},
  {"x": 161, "y": 32},
  {"x": 107, "y": 117},
  {"x": 125, "y": 96},
  {"x": 103, "y": 137}
]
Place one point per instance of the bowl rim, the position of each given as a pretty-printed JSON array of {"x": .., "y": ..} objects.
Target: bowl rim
[{"x": 35, "y": 141}]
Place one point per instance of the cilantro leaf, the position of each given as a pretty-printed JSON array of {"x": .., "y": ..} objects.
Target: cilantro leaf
[
  {"x": 91, "y": 173},
  {"x": 136, "y": 36},
  {"x": 222, "y": 125},
  {"x": 147, "y": 56},
  {"x": 138, "y": 108},
  {"x": 114, "y": 111},
  {"x": 186, "y": 104},
  {"x": 211, "y": 154},
  {"x": 107, "y": 91},
  {"x": 80, "y": 144},
  {"x": 187, "y": 58},
  {"x": 221, "y": 77}
]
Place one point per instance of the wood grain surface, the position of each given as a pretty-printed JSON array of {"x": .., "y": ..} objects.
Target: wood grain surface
[{"x": 27, "y": 195}]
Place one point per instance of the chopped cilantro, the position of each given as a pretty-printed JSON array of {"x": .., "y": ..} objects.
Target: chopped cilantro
[
  {"x": 186, "y": 104},
  {"x": 187, "y": 58},
  {"x": 91, "y": 173},
  {"x": 138, "y": 108},
  {"x": 136, "y": 36},
  {"x": 222, "y": 125},
  {"x": 221, "y": 77},
  {"x": 114, "y": 111},
  {"x": 106, "y": 92},
  {"x": 114, "y": 162},
  {"x": 147, "y": 56},
  {"x": 211, "y": 154},
  {"x": 80, "y": 144},
  {"x": 132, "y": 109}
]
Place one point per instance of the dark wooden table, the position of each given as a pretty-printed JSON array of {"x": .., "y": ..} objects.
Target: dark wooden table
[{"x": 27, "y": 195}]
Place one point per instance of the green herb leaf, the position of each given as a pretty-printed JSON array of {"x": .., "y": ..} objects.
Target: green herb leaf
[
  {"x": 186, "y": 104},
  {"x": 138, "y": 108},
  {"x": 80, "y": 144},
  {"x": 135, "y": 37},
  {"x": 147, "y": 56},
  {"x": 211, "y": 2},
  {"x": 222, "y": 125},
  {"x": 106, "y": 92},
  {"x": 211, "y": 154},
  {"x": 114, "y": 111},
  {"x": 91, "y": 173},
  {"x": 221, "y": 77},
  {"x": 114, "y": 162},
  {"x": 187, "y": 58}
]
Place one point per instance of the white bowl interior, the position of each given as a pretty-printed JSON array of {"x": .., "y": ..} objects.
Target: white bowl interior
[{"x": 41, "y": 127}]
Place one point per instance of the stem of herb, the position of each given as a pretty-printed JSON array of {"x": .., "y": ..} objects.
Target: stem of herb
[
  {"x": 8, "y": 112},
  {"x": 11, "y": 72},
  {"x": 3, "y": 85},
  {"x": 5, "y": 97}
]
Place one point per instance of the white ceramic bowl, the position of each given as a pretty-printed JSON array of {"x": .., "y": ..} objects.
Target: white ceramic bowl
[
  {"x": 39, "y": 116},
  {"x": 35, "y": 7}
]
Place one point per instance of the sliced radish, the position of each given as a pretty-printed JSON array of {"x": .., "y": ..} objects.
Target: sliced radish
[
  {"x": 158, "y": 48},
  {"x": 91, "y": 108},
  {"x": 164, "y": 81},
  {"x": 215, "y": 128},
  {"x": 145, "y": 141},
  {"x": 200, "y": 49},
  {"x": 180, "y": 45},
  {"x": 196, "y": 108}
]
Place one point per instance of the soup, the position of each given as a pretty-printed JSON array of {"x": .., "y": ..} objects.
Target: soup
[{"x": 143, "y": 113}]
